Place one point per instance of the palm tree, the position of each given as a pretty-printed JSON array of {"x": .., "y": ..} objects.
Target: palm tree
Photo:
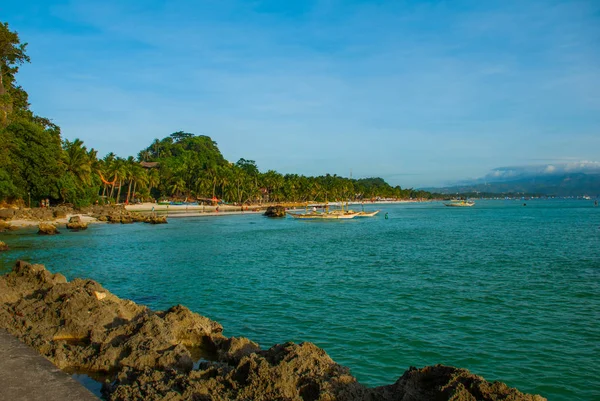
[
  {"x": 118, "y": 170},
  {"x": 129, "y": 163},
  {"x": 77, "y": 161},
  {"x": 140, "y": 176},
  {"x": 153, "y": 178}
]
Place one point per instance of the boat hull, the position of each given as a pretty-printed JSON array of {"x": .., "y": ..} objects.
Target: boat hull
[
  {"x": 460, "y": 204},
  {"x": 323, "y": 216},
  {"x": 367, "y": 214}
]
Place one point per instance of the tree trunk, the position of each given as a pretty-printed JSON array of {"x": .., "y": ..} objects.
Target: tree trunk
[
  {"x": 128, "y": 192},
  {"x": 134, "y": 187},
  {"x": 119, "y": 193}
]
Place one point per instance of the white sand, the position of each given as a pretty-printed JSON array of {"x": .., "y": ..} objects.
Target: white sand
[{"x": 29, "y": 223}]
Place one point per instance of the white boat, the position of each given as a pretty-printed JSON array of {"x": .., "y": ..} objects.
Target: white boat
[
  {"x": 323, "y": 215},
  {"x": 460, "y": 203},
  {"x": 367, "y": 214},
  {"x": 314, "y": 214}
]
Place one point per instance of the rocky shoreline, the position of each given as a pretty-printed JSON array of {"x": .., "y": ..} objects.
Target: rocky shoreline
[
  {"x": 180, "y": 355},
  {"x": 50, "y": 219}
]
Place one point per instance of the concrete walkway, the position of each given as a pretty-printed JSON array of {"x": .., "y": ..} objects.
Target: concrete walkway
[{"x": 25, "y": 375}]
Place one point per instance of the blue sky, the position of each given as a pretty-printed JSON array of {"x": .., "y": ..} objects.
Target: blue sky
[{"x": 421, "y": 93}]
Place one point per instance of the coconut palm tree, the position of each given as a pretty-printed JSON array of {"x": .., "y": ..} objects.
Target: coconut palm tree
[{"x": 76, "y": 161}]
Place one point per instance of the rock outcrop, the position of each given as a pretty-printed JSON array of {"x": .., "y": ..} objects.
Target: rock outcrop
[
  {"x": 150, "y": 355},
  {"x": 275, "y": 211},
  {"x": 156, "y": 219},
  {"x": 7, "y": 214},
  {"x": 47, "y": 229},
  {"x": 4, "y": 225},
  {"x": 75, "y": 223},
  {"x": 112, "y": 214}
]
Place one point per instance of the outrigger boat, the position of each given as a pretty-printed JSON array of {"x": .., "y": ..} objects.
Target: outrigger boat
[
  {"x": 367, "y": 214},
  {"x": 460, "y": 203},
  {"x": 325, "y": 215},
  {"x": 322, "y": 215}
]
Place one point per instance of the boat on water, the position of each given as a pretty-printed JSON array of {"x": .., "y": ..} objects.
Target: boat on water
[
  {"x": 367, "y": 214},
  {"x": 323, "y": 215},
  {"x": 326, "y": 214},
  {"x": 460, "y": 203}
]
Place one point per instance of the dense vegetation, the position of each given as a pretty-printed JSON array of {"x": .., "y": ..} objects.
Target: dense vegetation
[{"x": 36, "y": 163}]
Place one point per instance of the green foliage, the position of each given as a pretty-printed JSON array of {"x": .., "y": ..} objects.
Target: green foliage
[
  {"x": 12, "y": 54},
  {"x": 34, "y": 157}
]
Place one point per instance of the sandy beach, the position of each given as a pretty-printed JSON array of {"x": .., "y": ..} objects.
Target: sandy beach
[{"x": 34, "y": 223}]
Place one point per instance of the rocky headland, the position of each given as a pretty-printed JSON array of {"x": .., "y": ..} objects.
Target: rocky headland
[{"x": 180, "y": 355}]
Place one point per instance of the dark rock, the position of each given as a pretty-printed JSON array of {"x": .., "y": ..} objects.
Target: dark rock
[
  {"x": 441, "y": 382},
  {"x": 275, "y": 211},
  {"x": 47, "y": 229}
]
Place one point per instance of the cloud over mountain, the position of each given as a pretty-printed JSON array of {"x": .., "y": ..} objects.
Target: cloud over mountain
[{"x": 518, "y": 172}]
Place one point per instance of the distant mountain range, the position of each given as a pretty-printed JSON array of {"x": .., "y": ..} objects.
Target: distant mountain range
[{"x": 575, "y": 184}]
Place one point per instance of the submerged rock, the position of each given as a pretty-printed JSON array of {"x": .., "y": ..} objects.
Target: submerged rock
[
  {"x": 3, "y": 246},
  {"x": 275, "y": 211},
  {"x": 82, "y": 326},
  {"x": 47, "y": 229}
]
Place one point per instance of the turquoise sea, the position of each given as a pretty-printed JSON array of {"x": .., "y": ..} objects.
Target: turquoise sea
[{"x": 510, "y": 292}]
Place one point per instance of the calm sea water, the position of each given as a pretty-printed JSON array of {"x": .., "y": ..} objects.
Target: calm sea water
[{"x": 510, "y": 292}]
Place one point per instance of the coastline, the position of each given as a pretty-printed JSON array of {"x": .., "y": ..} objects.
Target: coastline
[
  {"x": 31, "y": 217},
  {"x": 177, "y": 354}
]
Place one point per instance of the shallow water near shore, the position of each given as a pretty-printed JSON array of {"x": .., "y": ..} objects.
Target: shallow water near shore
[{"x": 510, "y": 292}]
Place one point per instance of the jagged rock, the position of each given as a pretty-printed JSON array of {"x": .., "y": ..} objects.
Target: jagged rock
[
  {"x": 233, "y": 349},
  {"x": 275, "y": 211},
  {"x": 75, "y": 223},
  {"x": 7, "y": 214},
  {"x": 441, "y": 382},
  {"x": 4, "y": 226},
  {"x": 156, "y": 219},
  {"x": 81, "y": 325},
  {"x": 59, "y": 213},
  {"x": 47, "y": 229},
  {"x": 3, "y": 246}
]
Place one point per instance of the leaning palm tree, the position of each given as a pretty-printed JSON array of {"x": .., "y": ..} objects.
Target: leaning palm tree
[
  {"x": 118, "y": 170},
  {"x": 129, "y": 175}
]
